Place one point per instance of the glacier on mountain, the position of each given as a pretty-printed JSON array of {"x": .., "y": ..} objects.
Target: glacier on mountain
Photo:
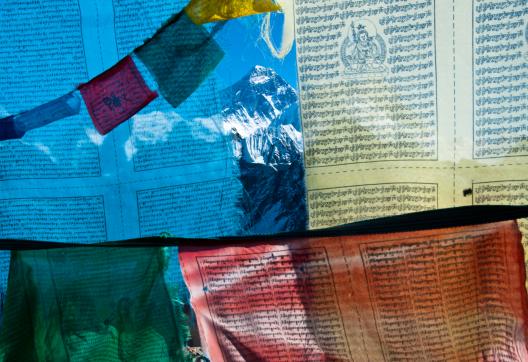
[{"x": 262, "y": 111}]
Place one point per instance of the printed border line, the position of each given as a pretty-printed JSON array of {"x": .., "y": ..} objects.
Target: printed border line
[
  {"x": 383, "y": 184},
  {"x": 138, "y": 192},
  {"x": 391, "y": 168},
  {"x": 286, "y": 249},
  {"x": 449, "y": 236},
  {"x": 435, "y": 57},
  {"x": 97, "y": 196},
  {"x": 473, "y": 95},
  {"x": 473, "y": 184}
]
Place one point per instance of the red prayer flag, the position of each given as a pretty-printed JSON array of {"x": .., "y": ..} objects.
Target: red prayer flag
[
  {"x": 116, "y": 95},
  {"x": 442, "y": 294}
]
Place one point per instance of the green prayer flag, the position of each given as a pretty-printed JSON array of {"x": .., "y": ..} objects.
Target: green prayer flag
[
  {"x": 180, "y": 57},
  {"x": 91, "y": 304}
]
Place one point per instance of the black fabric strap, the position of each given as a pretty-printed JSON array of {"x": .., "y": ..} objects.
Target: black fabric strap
[{"x": 426, "y": 220}]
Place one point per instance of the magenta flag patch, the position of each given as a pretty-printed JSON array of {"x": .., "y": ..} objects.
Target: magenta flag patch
[{"x": 116, "y": 95}]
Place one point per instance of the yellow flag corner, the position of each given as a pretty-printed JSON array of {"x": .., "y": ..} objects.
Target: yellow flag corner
[{"x": 206, "y": 11}]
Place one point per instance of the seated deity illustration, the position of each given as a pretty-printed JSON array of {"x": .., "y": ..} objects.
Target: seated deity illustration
[{"x": 363, "y": 51}]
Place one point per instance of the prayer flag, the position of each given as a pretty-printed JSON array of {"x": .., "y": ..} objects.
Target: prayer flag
[{"x": 116, "y": 95}]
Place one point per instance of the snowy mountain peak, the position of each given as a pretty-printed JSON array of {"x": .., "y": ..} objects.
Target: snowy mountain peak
[
  {"x": 262, "y": 108},
  {"x": 261, "y": 75},
  {"x": 258, "y": 99}
]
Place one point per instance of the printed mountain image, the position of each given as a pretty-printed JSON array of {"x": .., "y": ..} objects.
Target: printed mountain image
[{"x": 264, "y": 113}]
